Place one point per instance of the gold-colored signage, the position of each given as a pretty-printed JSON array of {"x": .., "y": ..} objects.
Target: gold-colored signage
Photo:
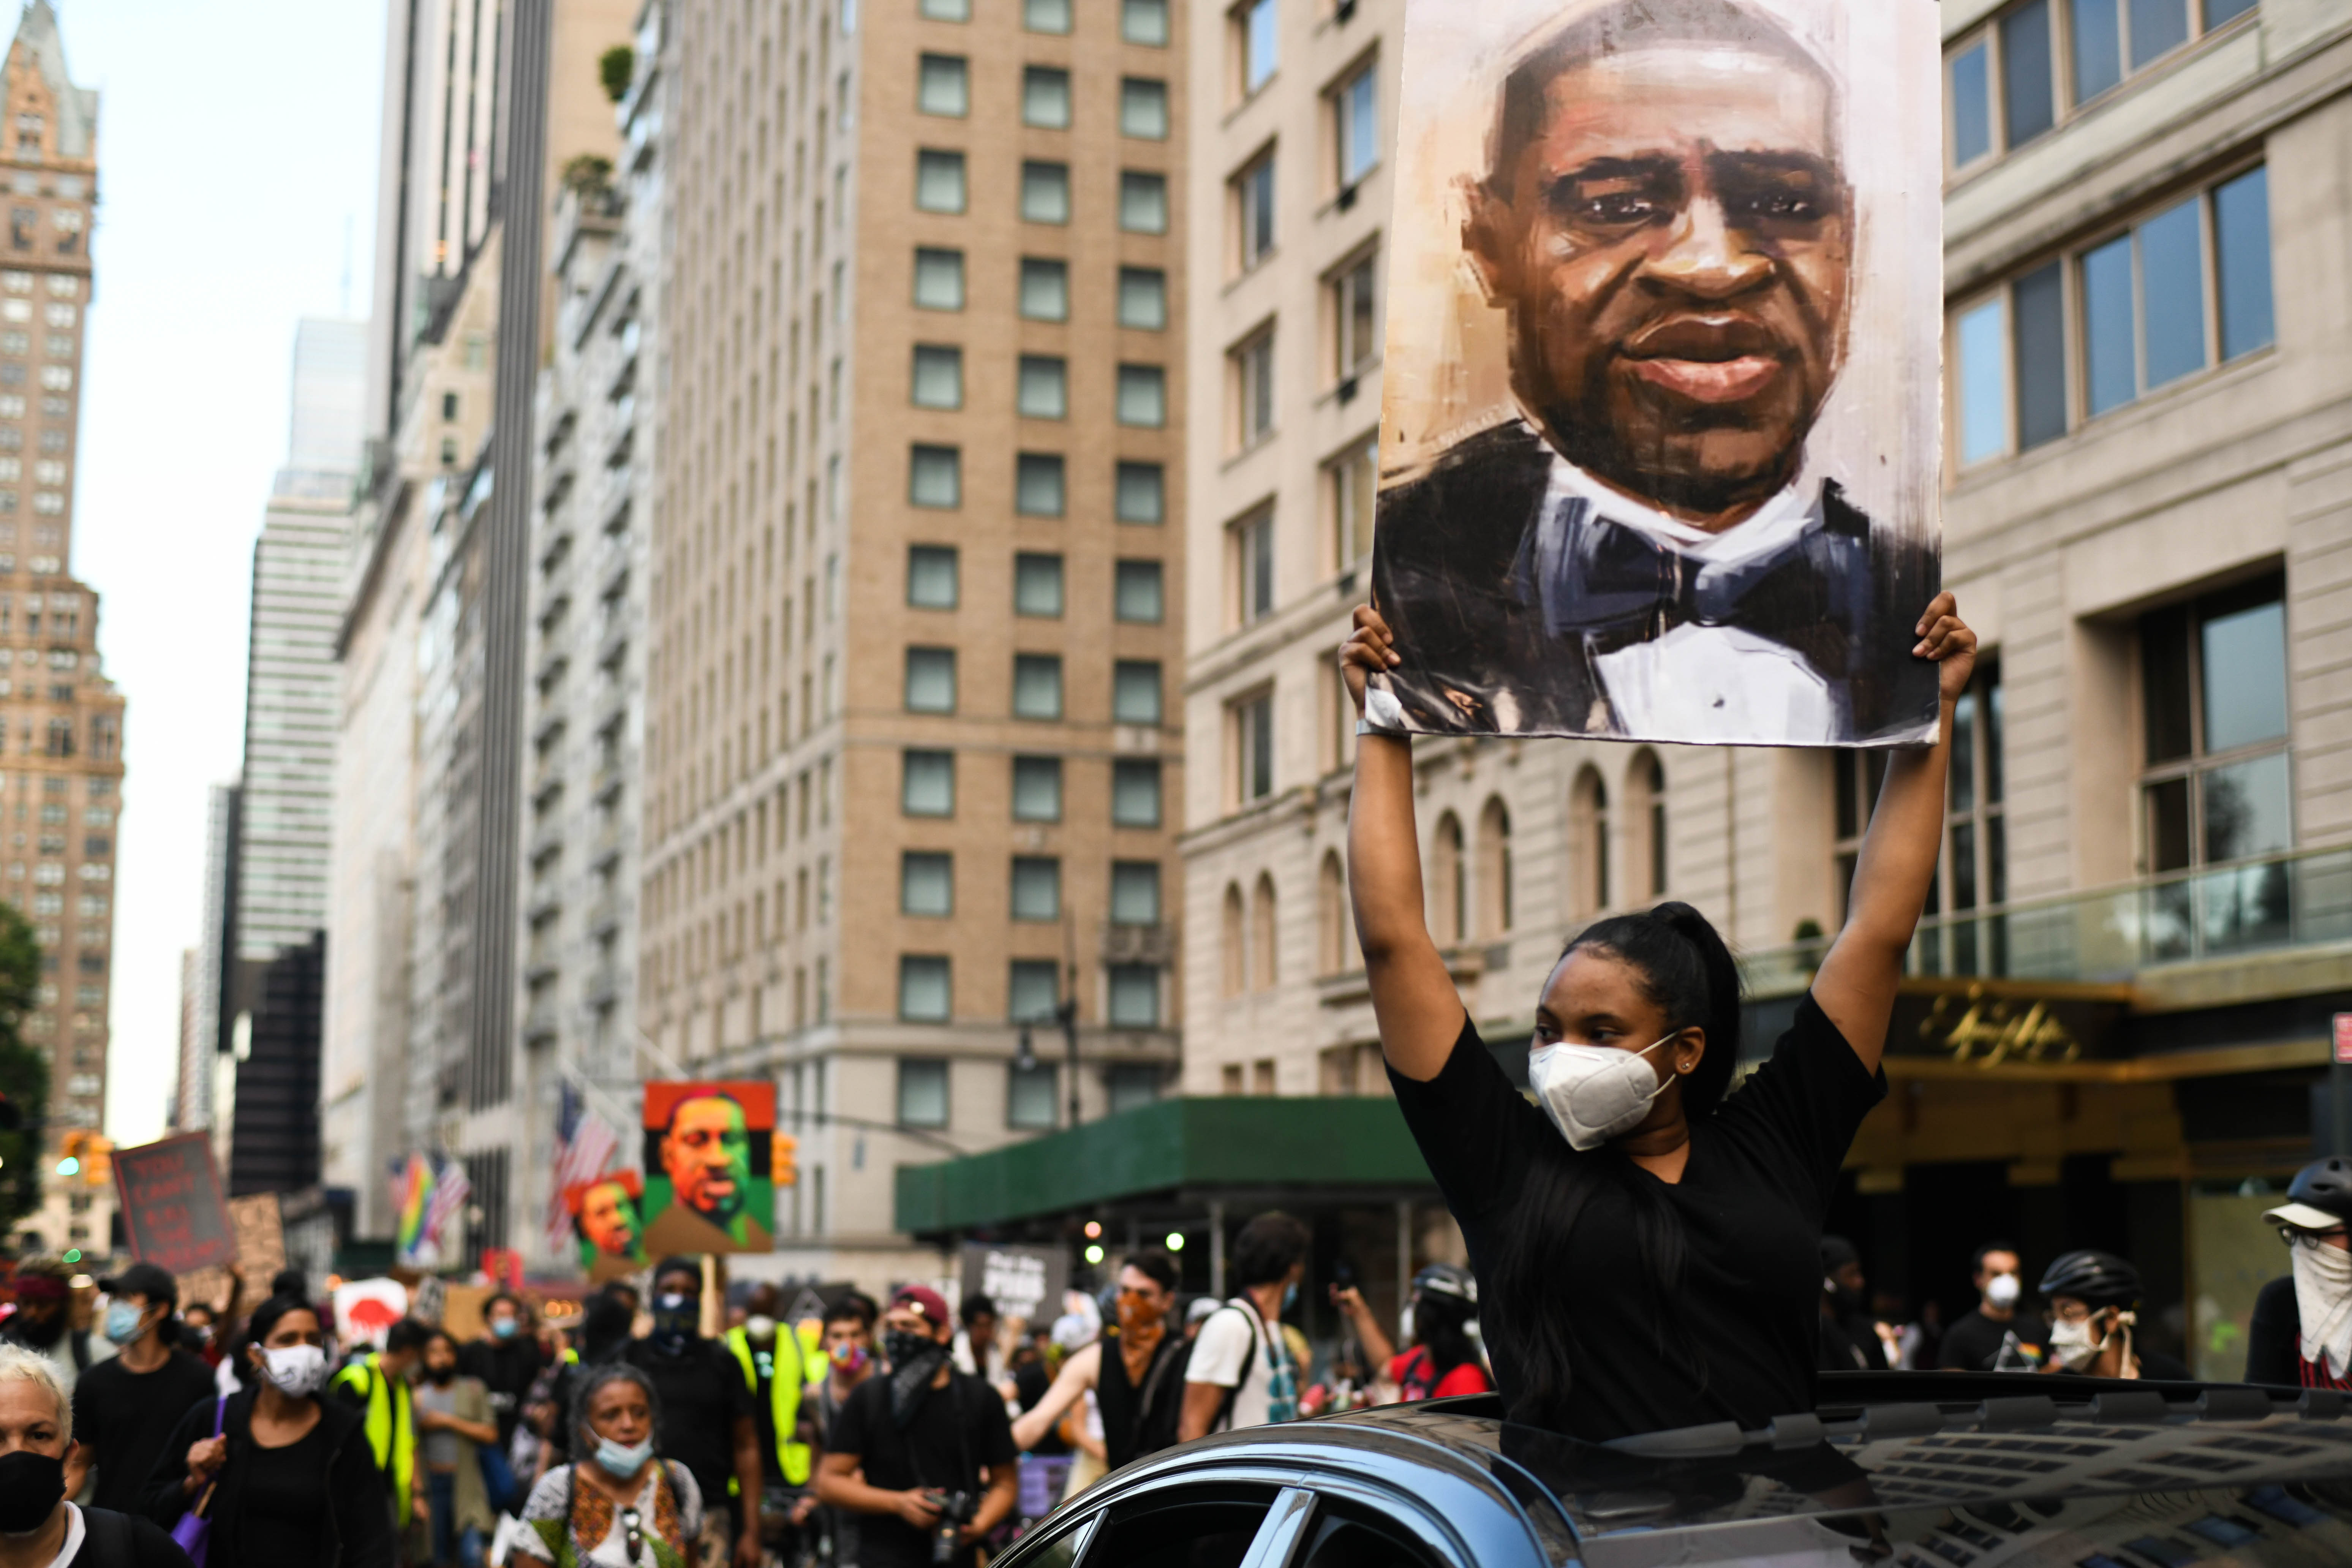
[{"x": 1994, "y": 1030}]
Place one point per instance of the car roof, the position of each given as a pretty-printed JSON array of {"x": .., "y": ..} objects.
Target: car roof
[{"x": 1921, "y": 1440}]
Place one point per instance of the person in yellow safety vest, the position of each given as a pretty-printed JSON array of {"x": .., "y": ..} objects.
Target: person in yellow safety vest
[
  {"x": 767, "y": 1350},
  {"x": 377, "y": 1385}
]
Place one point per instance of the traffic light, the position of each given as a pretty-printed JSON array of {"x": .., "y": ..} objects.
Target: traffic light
[
  {"x": 84, "y": 1153},
  {"x": 782, "y": 1152}
]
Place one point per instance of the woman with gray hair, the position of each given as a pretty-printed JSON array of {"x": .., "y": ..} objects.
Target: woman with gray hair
[
  {"x": 614, "y": 1506},
  {"x": 38, "y": 1527}
]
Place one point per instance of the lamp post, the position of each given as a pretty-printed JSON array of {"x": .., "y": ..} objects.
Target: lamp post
[{"x": 1025, "y": 1055}]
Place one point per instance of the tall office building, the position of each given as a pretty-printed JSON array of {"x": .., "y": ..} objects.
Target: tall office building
[
  {"x": 273, "y": 879},
  {"x": 290, "y": 676},
  {"x": 484, "y": 106},
  {"x": 204, "y": 976},
  {"x": 912, "y": 744},
  {"x": 64, "y": 752}
]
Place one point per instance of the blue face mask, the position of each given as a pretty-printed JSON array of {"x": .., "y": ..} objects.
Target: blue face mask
[
  {"x": 621, "y": 1461},
  {"x": 1290, "y": 1295},
  {"x": 503, "y": 1328},
  {"x": 123, "y": 1322}
]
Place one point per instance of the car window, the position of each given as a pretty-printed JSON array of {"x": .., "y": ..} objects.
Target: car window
[
  {"x": 1194, "y": 1527},
  {"x": 1350, "y": 1538},
  {"x": 1061, "y": 1551}
]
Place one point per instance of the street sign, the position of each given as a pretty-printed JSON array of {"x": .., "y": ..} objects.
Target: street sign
[{"x": 2344, "y": 1039}]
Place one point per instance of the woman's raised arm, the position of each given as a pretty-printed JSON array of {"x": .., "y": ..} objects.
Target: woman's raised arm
[
  {"x": 1856, "y": 984},
  {"x": 1420, "y": 1011}
]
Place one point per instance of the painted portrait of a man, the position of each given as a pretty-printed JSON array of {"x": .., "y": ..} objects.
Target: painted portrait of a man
[
  {"x": 605, "y": 1218},
  {"x": 1648, "y": 535},
  {"x": 707, "y": 1186}
]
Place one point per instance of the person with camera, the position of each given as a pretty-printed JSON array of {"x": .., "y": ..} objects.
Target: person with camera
[{"x": 924, "y": 1452}]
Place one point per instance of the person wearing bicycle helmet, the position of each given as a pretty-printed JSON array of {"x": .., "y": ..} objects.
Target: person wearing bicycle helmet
[
  {"x": 2301, "y": 1335},
  {"x": 2094, "y": 1299},
  {"x": 1442, "y": 1356}
]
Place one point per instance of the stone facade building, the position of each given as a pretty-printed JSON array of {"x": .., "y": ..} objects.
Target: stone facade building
[{"x": 2117, "y": 1020}]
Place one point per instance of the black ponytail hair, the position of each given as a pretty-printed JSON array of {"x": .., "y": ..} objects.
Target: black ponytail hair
[{"x": 1687, "y": 972}]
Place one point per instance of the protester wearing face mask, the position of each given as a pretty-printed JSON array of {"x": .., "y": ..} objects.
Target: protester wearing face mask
[
  {"x": 848, "y": 1349},
  {"x": 1135, "y": 1370},
  {"x": 453, "y": 1426},
  {"x": 1242, "y": 1372},
  {"x": 709, "y": 1422},
  {"x": 377, "y": 1385},
  {"x": 918, "y": 1441},
  {"x": 285, "y": 1477},
  {"x": 43, "y": 1321},
  {"x": 506, "y": 1359},
  {"x": 776, "y": 1375},
  {"x": 605, "y": 1322},
  {"x": 1441, "y": 1359},
  {"x": 38, "y": 1528},
  {"x": 1849, "y": 1338},
  {"x": 617, "y": 1506},
  {"x": 2301, "y": 1335},
  {"x": 1993, "y": 1338},
  {"x": 1645, "y": 1241},
  {"x": 126, "y": 1406},
  {"x": 2093, "y": 1299}
]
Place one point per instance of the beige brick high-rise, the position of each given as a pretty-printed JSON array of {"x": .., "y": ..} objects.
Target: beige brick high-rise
[
  {"x": 912, "y": 739},
  {"x": 61, "y": 757}
]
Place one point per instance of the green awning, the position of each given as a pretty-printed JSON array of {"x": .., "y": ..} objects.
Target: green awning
[{"x": 1194, "y": 1146}]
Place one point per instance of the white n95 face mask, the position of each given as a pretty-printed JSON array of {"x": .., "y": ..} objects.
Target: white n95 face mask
[
  {"x": 2001, "y": 1290},
  {"x": 1594, "y": 1092}
]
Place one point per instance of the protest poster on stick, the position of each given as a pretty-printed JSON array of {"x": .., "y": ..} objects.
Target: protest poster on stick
[
  {"x": 708, "y": 1184},
  {"x": 1661, "y": 423},
  {"x": 172, "y": 1210}
]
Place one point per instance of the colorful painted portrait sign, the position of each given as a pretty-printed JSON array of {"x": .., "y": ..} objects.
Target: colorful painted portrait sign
[
  {"x": 1661, "y": 417},
  {"x": 707, "y": 1186},
  {"x": 608, "y": 1218}
]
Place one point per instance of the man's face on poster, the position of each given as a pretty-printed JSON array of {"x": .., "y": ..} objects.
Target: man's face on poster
[
  {"x": 608, "y": 1218},
  {"x": 706, "y": 1153},
  {"x": 1673, "y": 244}
]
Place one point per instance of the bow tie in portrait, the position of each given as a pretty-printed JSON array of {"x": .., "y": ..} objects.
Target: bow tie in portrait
[{"x": 1614, "y": 586}]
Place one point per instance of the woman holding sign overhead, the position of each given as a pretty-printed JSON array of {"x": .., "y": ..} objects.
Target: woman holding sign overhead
[{"x": 1646, "y": 1243}]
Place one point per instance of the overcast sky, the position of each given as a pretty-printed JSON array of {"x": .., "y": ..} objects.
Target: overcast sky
[{"x": 236, "y": 181}]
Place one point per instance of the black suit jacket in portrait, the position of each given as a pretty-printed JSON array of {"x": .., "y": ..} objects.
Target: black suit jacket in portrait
[{"x": 1499, "y": 633}]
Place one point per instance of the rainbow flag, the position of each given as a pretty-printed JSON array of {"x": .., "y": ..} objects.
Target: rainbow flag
[{"x": 415, "y": 1203}]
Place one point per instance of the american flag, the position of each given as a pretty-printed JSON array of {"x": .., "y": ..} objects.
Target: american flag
[
  {"x": 585, "y": 1144},
  {"x": 450, "y": 1191}
]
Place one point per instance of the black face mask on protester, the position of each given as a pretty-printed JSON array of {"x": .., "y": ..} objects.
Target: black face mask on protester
[
  {"x": 904, "y": 1348},
  {"x": 440, "y": 1376},
  {"x": 676, "y": 1321},
  {"x": 30, "y": 1486}
]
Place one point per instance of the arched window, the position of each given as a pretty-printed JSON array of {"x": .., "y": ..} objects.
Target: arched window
[
  {"x": 1262, "y": 937},
  {"x": 1449, "y": 884},
  {"x": 1646, "y": 784},
  {"x": 1237, "y": 950},
  {"x": 1588, "y": 842},
  {"x": 1493, "y": 868},
  {"x": 1332, "y": 917}
]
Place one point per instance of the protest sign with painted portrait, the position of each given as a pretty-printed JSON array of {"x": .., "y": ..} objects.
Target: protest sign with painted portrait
[
  {"x": 606, "y": 1218},
  {"x": 706, "y": 1153},
  {"x": 1661, "y": 402}
]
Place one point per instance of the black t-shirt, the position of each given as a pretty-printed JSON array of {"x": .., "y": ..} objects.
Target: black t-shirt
[
  {"x": 283, "y": 1505},
  {"x": 930, "y": 1452},
  {"x": 1973, "y": 1344},
  {"x": 1758, "y": 1182},
  {"x": 507, "y": 1368},
  {"x": 112, "y": 1540},
  {"x": 127, "y": 1416},
  {"x": 702, "y": 1394}
]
